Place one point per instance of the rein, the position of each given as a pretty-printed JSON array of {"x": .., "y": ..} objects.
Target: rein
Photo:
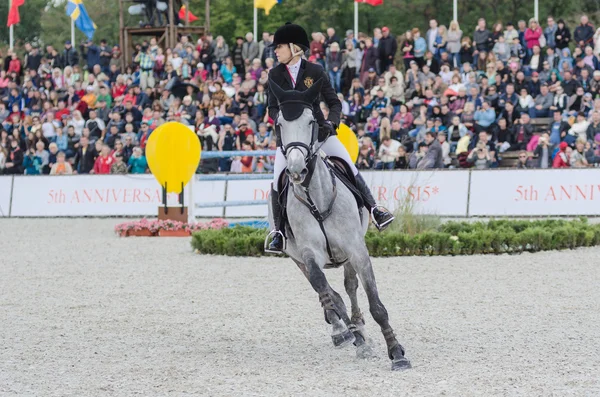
[{"x": 310, "y": 161}]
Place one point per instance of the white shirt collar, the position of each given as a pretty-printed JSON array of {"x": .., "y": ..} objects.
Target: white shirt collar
[{"x": 294, "y": 70}]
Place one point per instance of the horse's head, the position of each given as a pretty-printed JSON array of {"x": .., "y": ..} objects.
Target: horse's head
[{"x": 299, "y": 129}]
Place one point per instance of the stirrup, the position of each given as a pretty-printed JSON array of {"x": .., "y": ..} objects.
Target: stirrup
[
  {"x": 266, "y": 245},
  {"x": 384, "y": 224}
]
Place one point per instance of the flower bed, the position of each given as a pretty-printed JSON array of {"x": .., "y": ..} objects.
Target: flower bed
[
  {"x": 155, "y": 227},
  {"x": 452, "y": 238}
]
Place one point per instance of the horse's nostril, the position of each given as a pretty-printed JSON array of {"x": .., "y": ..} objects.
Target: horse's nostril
[
  {"x": 304, "y": 172},
  {"x": 287, "y": 172}
]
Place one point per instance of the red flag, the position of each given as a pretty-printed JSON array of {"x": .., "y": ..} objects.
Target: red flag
[
  {"x": 191, "y": 17},
  {"x": 371, "y": 2},
  {"x": 13, "y": 12}
]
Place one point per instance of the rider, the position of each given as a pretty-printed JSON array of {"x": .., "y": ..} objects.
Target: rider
[{"x": 295, "y": 73}]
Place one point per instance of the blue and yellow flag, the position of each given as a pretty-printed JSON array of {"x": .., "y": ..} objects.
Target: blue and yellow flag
[
  {"x": 76, "y": 10},
  {"x": 266, "y": 4}
]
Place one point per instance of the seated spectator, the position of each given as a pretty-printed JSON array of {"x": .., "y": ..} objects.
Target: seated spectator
[
  {"x": 543, "y": 152},
  {"x": 61, "y": 167},
  {"x": 578, "y": 130},
  {"x": 484, "y": 117},
  {"x": 578, "y": 158},
  {"x": 561, "y": 160},
  {"x": 104, "y": 161},
  {"x": 119, "y": 166},
  {"x": 542, "y": 103},
  {"x": 388, "y": 153},
  {"x": 402, "y": 160},
  {"x": 523, "y": 161},
  {"x": 433, "y": 157},
  {"x": 522, "y": 132},
  {"x": 441, "y": 137},
  {"x": 417, "y": 156},
  {"x": 366, "y": 155},
  {"x": 480, "y": 157},
  {"x": 137, "y": 162},
  {"x": 32, "y": 163}
]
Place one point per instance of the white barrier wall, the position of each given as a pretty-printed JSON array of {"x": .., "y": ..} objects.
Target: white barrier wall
[
  {"x": 5, "y": 188},
  {"x": 248, "y": 191},
  {"x": 445, "y": 193},
  {"x": 427, "y": 192},
  {"x": 535, "y": 192},
  {"x": 101, "y": 195}
]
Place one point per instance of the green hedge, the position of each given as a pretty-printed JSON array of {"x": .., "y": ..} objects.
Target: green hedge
[{"x": 451, "y": 238}]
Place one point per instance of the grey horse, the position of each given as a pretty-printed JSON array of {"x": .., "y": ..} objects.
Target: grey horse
[{"x": 326, "y": 228}]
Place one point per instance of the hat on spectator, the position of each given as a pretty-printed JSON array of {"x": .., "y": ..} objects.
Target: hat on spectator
[
  {"x": 312, "y": 58},
  {"x": 588, "y": 94},
  {"x": 68, "y": 42},
  {"x": 349, "y": 32},
  {"x": 385, "y": 29},
  {"x": 563, "y": 146},
  {"x": 412, "y": 62},
  {"x": 371, "y": 70}
]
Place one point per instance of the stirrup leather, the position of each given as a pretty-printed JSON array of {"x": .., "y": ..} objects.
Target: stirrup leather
[
  {"x": 384, "y": 224},
  {"x": 266, "y": 245}
]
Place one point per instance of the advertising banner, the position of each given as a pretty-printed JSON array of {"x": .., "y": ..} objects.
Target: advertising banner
[
  {"x": 101, "y": 195},
  {"x": 535, "y": 192},
  {"x": 442, "y": 193},
  {"x": 254, "y": 190},
  {"x": 5, "y": 188}
]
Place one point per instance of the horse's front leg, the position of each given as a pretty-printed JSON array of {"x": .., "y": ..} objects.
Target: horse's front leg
[
  {"x": 333, "y": 305},
  {"x": 380, "y": 314},
  {"x": 357, "y": 327}
]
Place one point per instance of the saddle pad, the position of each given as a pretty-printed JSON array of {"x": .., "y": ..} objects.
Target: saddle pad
[{"x": 344, "y": 173}]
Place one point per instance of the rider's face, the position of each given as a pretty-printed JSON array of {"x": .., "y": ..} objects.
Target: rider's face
[{"x": 283, "y": 52}]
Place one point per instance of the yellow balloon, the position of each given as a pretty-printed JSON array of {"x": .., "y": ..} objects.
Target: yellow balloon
[
  {"x": 173, "y": 154},
  {"x": 349, "y": 140}
]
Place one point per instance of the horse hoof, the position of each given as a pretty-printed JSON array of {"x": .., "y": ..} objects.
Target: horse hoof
[
  {"x": 364, "y": 352},
  {"x": 401, "y": 364},
  {"x": 344, "y": 339}
]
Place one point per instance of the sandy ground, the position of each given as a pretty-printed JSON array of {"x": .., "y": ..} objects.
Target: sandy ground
[{"x": 84, "y": 313}]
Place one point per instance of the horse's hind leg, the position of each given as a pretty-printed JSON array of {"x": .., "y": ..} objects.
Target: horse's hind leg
[
  {"x": 332, "y": 303},
  {"x": 380, "y": 314}
]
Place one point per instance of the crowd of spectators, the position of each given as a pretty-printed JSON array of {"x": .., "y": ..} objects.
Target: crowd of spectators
[{"x": 444, "y": 98}]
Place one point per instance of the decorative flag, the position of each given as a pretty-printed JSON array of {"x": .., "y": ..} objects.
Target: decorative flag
[
  {"x": 13, "y": 13},
  {"x": 371, "y": 2},
  {"x": 266, "y": 4},
  {"x": 76, "y": 10},
  {"x": 191, "y": 17}
]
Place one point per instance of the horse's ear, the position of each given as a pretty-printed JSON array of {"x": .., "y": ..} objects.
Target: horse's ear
[
  {"x": 313, "y": 92},
  {"x": 275, "y": 89}
]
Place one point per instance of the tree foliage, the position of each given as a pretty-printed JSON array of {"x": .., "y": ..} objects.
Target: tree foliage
[{"x": 232, "y": 18}]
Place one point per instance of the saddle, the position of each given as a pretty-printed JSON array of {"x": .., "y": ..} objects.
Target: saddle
[{"x": 342, "y": 172}]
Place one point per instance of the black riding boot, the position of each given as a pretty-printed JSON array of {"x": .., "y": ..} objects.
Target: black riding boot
[
  {"x": 381, "y": 218},
  {"x": 276, "y": 246}
]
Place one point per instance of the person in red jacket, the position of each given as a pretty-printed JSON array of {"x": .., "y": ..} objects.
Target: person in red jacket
[
  {"x": 14, "y": 65},
  {"x": 561, "y": 160},
  {"x": 104, "y": 162}
]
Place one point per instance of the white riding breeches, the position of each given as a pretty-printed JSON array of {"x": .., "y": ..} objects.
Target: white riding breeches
[{"x": 331, "y": 147}]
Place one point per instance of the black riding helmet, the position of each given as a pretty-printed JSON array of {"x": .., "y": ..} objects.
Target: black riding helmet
[{"x": 291, "y": 33}]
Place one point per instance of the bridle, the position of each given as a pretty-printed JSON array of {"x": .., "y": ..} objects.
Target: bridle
[{"x": 310, "y": 153}]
